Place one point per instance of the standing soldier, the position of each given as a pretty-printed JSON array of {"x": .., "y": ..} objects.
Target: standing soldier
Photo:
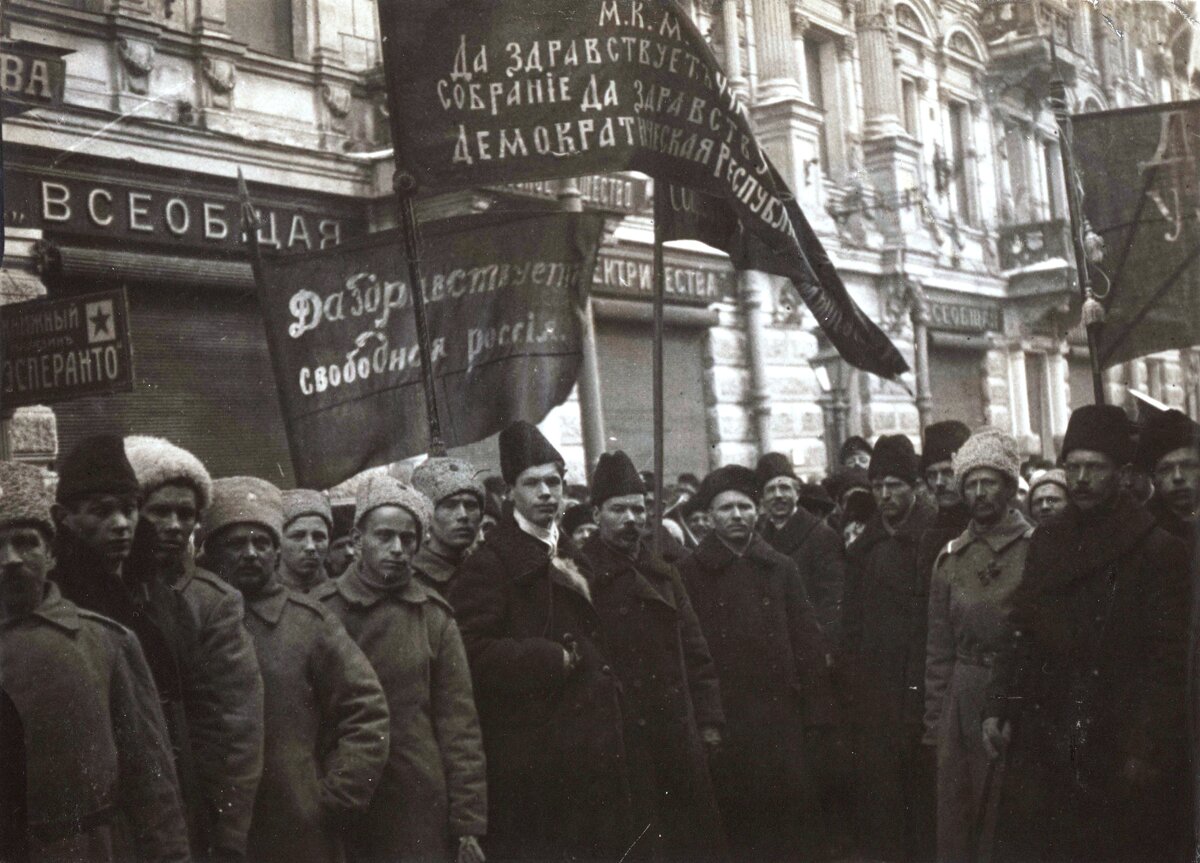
[
  {"x": 457, "y": 494},
  {"x": 219, "y": 739},
  {"x": 325, "y": 717},
  {"x": 1169, "y": 450},
  {"x": 794, "y": 531},
  {"x": 431, "y": 803},
  {"x": 1092, "y": 676},
  {"x": 100, "y": 780},
  {"x": 884, "y": 616},
  {"x": 973, "y": 579},
  {"x": 1047, "y": 495},
  {"x": 307, "y": 524},
  {"x": 140, "y": 573},
  {"x": 661, "y": 658},
  {"x": 770, "y": 659},
  {"x": 549, "y": 701}
]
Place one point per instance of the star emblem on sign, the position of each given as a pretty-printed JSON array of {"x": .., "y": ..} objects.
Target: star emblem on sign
[{"x": 101, "y": 324}]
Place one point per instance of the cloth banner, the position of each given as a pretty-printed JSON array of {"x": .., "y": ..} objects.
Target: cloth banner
[
  {"x": 503, "y": 298},
  {"x": 484, "y": 92},
  {"x": 1141, "y": 199}
]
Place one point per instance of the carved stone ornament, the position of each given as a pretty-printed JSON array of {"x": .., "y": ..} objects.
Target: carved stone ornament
[
  {"x": 800, "y": 20},
  {"x": 337, "y": 99},
  {"x": 137, "y": 61},
  {"x": 221, "y": 74}
]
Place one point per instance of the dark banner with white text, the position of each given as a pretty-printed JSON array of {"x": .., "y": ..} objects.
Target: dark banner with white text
[{"x": 503, "y": 299}]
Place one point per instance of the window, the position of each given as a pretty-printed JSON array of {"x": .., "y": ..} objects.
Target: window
[
  {"x": 960, "y": 146},
  {"x": 911, "y": 107},
  {"x": 264, "y": 25},
  {"x": 816, "y": 94}
]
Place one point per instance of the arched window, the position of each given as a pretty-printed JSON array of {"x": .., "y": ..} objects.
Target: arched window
[
  {"x": 960, "y": 44},
  {"x": 908, "y": 20}
]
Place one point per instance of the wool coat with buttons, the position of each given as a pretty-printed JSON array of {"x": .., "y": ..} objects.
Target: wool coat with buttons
[
  {"x": 770, "y": 658},
  {"x": 557, "y": 779},
  {"x": 672, "y": 691},
  {"x": 326, "y": 724},
  {"x": 101, "y": 779},
  {"x": 433, "y": 790},
  {"x": 1092, "y": 676}
]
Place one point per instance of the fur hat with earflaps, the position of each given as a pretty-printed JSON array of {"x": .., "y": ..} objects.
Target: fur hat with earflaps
[
  {"x": 988, "y": 447},
  {"x": 438, "y": 478},
  {"x": 23, "y": 497},
  {"x": 158, "y": 462},
  {"x": 299, "y": 502},
  {"x": 383, "y": 490},
  {"x": 243, "y": 500}
]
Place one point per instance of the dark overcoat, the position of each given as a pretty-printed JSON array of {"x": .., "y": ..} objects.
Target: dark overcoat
[
  {"x": 326, "y": 728},
  {"x": 662, "y": 660},
  {"x": 557, "y": 776},
  {"x": 817, "y": 551},
  {"x": 102, "y": 783},
  {"x": 433, "y": 790},
  {"x": 1092, "y": 676},
  {"x": 766, "y": 644}
]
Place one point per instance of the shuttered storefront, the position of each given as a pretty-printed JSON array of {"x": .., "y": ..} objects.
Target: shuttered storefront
[{"x": 957, "y": 378}]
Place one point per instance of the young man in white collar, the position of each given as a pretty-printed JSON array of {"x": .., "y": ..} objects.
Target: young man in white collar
[{"x": 548, "y": 700}]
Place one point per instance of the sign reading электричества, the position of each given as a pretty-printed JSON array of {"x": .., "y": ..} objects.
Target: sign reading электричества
[{"x": 502, "y": 296}]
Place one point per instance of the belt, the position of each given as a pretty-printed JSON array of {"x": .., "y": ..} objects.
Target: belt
[{"x": 48, "y": 832}]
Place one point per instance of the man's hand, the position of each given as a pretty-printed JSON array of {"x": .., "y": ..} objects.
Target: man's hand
[
  {"x": 469, "y": 850},
  {"x": 996, "y": 736},
  {"x": 711, "y": 736}
]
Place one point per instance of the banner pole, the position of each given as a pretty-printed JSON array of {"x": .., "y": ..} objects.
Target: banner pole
[
  {"x": 660, "y": 284},
  {"x": 1092, "y": 311},
  {"x": 405, "y": 184}
]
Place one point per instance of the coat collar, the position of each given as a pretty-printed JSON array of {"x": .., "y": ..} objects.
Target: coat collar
[
  {"x": 794, "y": 532},
  {"x": 526, "y": 557},
  {"x": 608, "y": 565},
  {"x": 1012, "y": 528},
  {"x": 57, "y": 611},
  {"x": 919, "y": 520},
  {"x": 1083, "y": 543},
  {"x": 715, "y": 554},
  {"x": 356, "y": 591},
  {"x": 268, "y": 606}
]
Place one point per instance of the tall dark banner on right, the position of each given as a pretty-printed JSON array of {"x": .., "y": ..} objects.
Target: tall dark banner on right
[{"x": 1137, "y": 170}]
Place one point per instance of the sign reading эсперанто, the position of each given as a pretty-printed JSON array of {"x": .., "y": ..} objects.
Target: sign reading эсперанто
[{"x": 55, "y": 350}]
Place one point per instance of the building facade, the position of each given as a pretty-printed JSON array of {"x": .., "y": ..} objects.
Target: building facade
[{"x": 915, "y": 134}]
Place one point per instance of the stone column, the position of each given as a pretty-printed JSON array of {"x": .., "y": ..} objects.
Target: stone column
[
  {"x": 777, "y": 74},
  {"x": 881, "y": 95},
  {"x": 733, "y": 48},
  {"x": 1019, "y": 396},
  {"x": 799, "y": 28},
  {"x": 755, "y": 289}
]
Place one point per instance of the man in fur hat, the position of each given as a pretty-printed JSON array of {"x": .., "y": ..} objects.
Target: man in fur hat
[
  {"x": 973, "y": 579},
  {"x": 457, "y": 494},
  {"x": 100, "y": 782},
  {"x": 942, "y": 441},
  {"x": 431, "y": 802},
  {"x": 855, "y": 452},
  {"x": 1169, "y": 451},
  {"x": 139, "y": 572},
  {"x": 341, "y": 541},
  {"x": 549, "y": 702},
  {"x": 884, "y": 613},
  {"x": 770, "y": 658},
  {"x": 1092, "y": 674},
  {"x": 218, "y": 739},
  {"x": 673, "y": 717},
  {"x": 1047, "y": 495},
  {"x": 325, "y": 717},
  {"x": 304, "y": 545}
]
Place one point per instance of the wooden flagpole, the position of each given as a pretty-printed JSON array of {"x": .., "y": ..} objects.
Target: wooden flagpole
[
  {"x": 660, "y": 281},
  {"x": 1092, "y": 312}
]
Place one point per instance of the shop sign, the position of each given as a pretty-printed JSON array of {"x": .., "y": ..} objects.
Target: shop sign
[
  {"x": 695, "y": 283},
  {"x": 31, "y": 76},
  {"x": 62, "y": 349},
  {"x": 606, "y": 192},
  {"x": 964, "y": 317},
  {"x": 187, "y": 213}
]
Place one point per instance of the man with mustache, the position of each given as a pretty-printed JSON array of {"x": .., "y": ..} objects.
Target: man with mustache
[
  {"x": 325, "y": 717},
  {"x": 673, "y": 719},
  {"x": 457, "y": 494},
  {"x": 184, "y": 624},
  {"x": 1091, "y": 673},
  {"x": 767, "y": 646},
  {"x": 431, "y": 802},
  {"x": 218, "y": 739},
  {"x": 307, "y": 524}
]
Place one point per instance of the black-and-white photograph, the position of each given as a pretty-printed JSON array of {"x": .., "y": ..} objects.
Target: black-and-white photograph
[{"x": 600, "y": 431}]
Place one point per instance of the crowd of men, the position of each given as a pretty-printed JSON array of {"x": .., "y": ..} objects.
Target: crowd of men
[{"x": 950, "y": 656}]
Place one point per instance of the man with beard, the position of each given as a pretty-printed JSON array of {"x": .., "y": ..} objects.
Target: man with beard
[
  {"x": 325, "y": 717},
  {"x": 139, "y": 572},
  {"x": 792, "y": 530},
  {"x": 1169, "y": 450},
  {"x": 884, "y": 616},
  {"x": 973, "y": 579},
  {"x": 457, "y": 494},
  {"x": 549, "y": 703},
  {"x": 431, "y": 803},
  {"x": 218, "y": 740},
  {"x": 660, "y": 656},
  {"x": 1091, "y": 674},
  {"x": 307, "y": 523},
  {"x": 767, "y": 646}
]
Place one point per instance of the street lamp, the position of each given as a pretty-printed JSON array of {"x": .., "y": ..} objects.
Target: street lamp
[{"x": 833, "y": 377}]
